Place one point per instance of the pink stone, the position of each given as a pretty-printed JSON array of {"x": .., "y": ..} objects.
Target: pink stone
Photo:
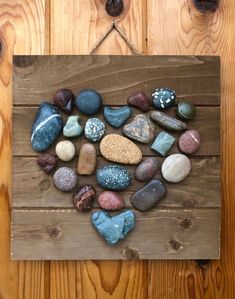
[
  {"x": 189, "y": 142},
  {"x": 111, "y": 201}
]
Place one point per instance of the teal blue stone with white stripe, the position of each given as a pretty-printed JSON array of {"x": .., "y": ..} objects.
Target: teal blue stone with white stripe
[{"x": 46, "y": 127}]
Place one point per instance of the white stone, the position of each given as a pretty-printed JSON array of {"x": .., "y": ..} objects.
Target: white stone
[{"x": 65, "y": 150}]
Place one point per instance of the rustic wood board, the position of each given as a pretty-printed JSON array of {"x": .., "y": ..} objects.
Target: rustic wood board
[{"x": 196, "y": 200}]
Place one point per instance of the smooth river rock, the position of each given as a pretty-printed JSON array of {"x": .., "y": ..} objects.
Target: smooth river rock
[
  {"x": 147, "y": 197},
  {"x": 140, "y": 129},
  {"x": 139, "y": 100},
  {"x": 46, "y": 127},
  {"x": 47, "y": 162},
  {"x": 163, "y": 143},
  {"x": 113, "y": 229},
  {"x": 111, "y": 201},
  {"x": 147, "y": 169},
  {"x": 87, "y": 159},
  {"x": 84, "y": 197},
  {"x": 117, "y": 148},
  {"x": 168, "y": 122},
  {"x": 189, "y": 142},
  {"x": 88, "y": 101},
  {"x": 65, "y": 179},
  {"x": 64, "y": 100},
  {"x": 116, "y": 117},
  {"x": 163, "y": 98},
  {"x": 176, "y": 168},
  {"x": 94, "y": 129},
  {"x": 72, "y": 127},
  {"x": 186, "y": 110},
  {"x": 65, "y": 150},
  {"x": 113, "y": 177}
]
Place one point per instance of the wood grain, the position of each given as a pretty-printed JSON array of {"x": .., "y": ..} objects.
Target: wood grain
[
  {"x": 207, "y": 122},
  {"x": 190, "y": 32},
  {"x": 199, "y": 190},
  {"x": 22, "y": 31},
  {"x": 115, "y": 77},
  {"x": 65, "y": 234}
]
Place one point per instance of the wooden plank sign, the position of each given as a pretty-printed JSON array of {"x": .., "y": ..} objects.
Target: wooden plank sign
[{"x": 185, "y": 225}]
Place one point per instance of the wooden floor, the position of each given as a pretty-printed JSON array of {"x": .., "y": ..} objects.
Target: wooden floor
[{"x": 154, "y": 27}]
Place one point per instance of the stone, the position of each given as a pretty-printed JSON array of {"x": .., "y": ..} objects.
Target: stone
[
  {"x": 139, "y": 100},
  {"x": 47, "y": 162},
  {"x": 163, "y": 98},
  {"x": 147, "y": 169},
  {"x": 46, "y": 127},
  {"x": 84, "y": 197},
  {"x": 64, "y": 100},
  {"x": 94, "y": 129},
  {"x": 88, "y": 101},
  {"x": 147, "y": 197},
  {"x": 176, "y": 168},
  {"x": 65, "y": 179},
  {"x": 65, "y": 150},
  {"x": 117, "y": 148},
  {"x": 189, "y": 142},
  {"x": 163, "y": 143},
  {"x": 72, "y": 127},
  {"x": 140, "y": 129},
  {"x": 168, "y": 122},
  {"x": 87, "y": 159},
  {"x": 113, "y": 229},
  {"x": 186, "y": 110},
  {"x": 116, "y": 117},
  {"x": 111, "y": 201},
  {"x": 113, "y": 177}
]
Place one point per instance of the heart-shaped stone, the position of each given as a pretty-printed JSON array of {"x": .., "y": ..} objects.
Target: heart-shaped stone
[{"x": 113, "y": 229}]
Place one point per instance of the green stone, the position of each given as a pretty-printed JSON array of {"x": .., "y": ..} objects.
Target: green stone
[
  {"x": 72, "y": 127},
  {"x": 186, "y": 110},
  {"x": 163, "y": 143}
]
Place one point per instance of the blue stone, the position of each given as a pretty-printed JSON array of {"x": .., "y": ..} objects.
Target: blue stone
[
  {"x": 113, "y": 229},
  {"x": 113, "y": 177},
  {"x": 46, "y": 127},
  {"x": 72, "y": 127},
  {"x": 88, "y": 101},
  {"x": 163, "y": 98},
  {"x": 163, "y": 143},
  {"x": 94, "y": 129},
  {"x": 117, "y": 116}
]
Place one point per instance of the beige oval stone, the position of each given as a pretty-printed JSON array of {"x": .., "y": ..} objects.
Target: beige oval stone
[
  {"x": 117, "y": 148},
  {"x": 87, "y": 159}
]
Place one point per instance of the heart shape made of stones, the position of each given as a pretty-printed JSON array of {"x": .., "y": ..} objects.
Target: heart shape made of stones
[{"x": 113, "y": 228}]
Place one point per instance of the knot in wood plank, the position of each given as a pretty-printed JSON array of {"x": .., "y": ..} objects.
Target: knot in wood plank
[
  {"x": 114, "y": 7},
  {"x": 131, "y": 254},
  {"x": 176, "y": 245},
  {"x": 186, "y": 223},
  {"x": 54, "y": 232}
]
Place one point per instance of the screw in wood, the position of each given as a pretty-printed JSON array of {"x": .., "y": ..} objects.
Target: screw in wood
[
  {"x": 114, "y": 7},
  {"x": 206, "y": 5},
  {"x": 186, "y": 223}
]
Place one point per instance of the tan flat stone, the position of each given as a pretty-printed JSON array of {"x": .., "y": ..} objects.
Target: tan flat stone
[
  {"x": 87, "y": 159},
  {"x": 117, "y": 148}
]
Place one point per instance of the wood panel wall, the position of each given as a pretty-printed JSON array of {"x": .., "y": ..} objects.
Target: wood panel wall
[{"x": 154, "y": 27}]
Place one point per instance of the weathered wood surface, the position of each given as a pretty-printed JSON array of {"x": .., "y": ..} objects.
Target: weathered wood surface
[
  {"x": 67, "y": 233},
  {"x": 207, "y": 122},
  {"x": 32, "y": 188},
  {"x": 196, "y": 79}
]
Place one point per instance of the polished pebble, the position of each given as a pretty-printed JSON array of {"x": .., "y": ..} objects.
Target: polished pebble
[
  {"x": 65, "y": 150},
  {"x": 72, "y": 127},
  {"x": 163, "y": 143},
  {"x": 88, "y": 101},
  {"x": 84, "y": 197},
  {"x": 189, "y": 142},
  {"x": 139, "y": 100},
  {"x": 116, "y": 117},
  {"x": 87, "y": 159},
  {"x": 94, "y": 129},
  {"x": 147, "y": 169},
  {"x": 65, "y": 179},
  {"x": 47, "y": 162},
  {"x": 176, "y": 168},
  {"x": 147, "y": 197},
  {"x": 111, "y": 201},
  {"x": 186, "y": 110},
  {"x": 64, "y": 100},
  {"x": 168, "y": 122},
  {"x": 163, "y": 98},
  {"x": 117, "y": 148}
]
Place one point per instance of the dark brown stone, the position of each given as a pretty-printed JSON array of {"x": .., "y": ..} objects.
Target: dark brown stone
[
  {"x": 114, "y": 7},
  {"x": 47, "y": 162},
  {"x": 139, "y": 100},
  {"x": 147, "y": 169},
  {"x": 64, "y": 100},
  {"x": 84, "y": 198}
]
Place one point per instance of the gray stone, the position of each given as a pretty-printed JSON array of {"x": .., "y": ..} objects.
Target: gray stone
[{"x": 168, "y": 122}]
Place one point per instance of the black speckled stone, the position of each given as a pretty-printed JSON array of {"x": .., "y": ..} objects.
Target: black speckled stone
[
  {"x": 163, "y": 98},
  {"x": 145, "y": 198},
  {"x": 113, "y": 177}
]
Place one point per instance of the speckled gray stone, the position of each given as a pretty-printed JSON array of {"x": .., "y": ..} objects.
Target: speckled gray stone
[
  {"x": 65, "y": 179},
  {"x": 94, "y": 129}
]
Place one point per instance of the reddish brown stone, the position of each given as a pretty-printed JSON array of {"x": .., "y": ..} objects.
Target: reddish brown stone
[
  {"x": 139, "y": 100},
  {"x": 147, "y": 169},
  {"x": 64, "y": 100},
  {"x": 84, "y": 198},
  {"x": 47, "y": 162},
  {"x": 111, "y": 201}
]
